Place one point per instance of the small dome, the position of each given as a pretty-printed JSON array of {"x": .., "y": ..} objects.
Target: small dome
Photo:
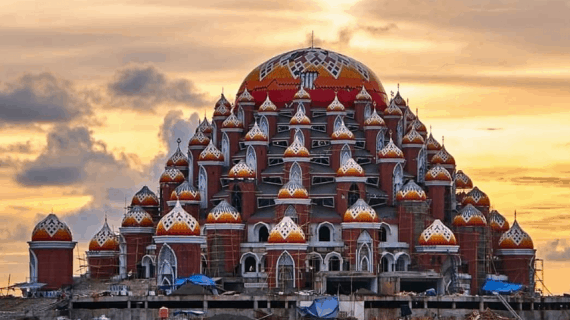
[
  {"x": 393, "y": 110},
  {"x": 245, "y": 96},
  {"x": 178, "y": 223},
  {"x": 498, "y": 223},
  {"x": 255, "y": 134},
  {"x": 390, "y": 151},
  {"x": 241, "y": 171},
  {"x": 437, "y": 234},
  {"x": 413, "y": 137},
  {"x": 462, "y": 181},
  {"x": 172, "y": 175},
  {"x": 515, "y": 238},
  {"x": 469, "y": 216},
  {"x": 286, "y": 231},
  {"x": 104, "y": 240},
  {"x": 443, "y": 157},
  {"x": 296, "y": 150},
  {"x": 178, "y": 159},
  {"x": 432, "y": 144},
  {"x": 185, "y": 192},
  {"x": 51, "y": 229},
  {"x": 223, "y": 107},
  {"x": 410, "y": 117},
  {"x": 418, "y": 125},
  {"x": 363, "y": 95},
  {"x": 438, "y": 173},
  {"x": 223, "y": 213},
  {"x": 342, "y": 133},
  {"x": 411, "y": 192},
  {"x": 145, "y": 198},
  {"x": 199, "y": 139},
  {"x": 211, "y": 153},
  {"x": 137, "y": 217},
  {"x": 205, "y": 126},
  {"x": 267, "y": 106},
  {"x": 477, "y": 198},
  {"x": 335, "y": 105},
  {"x": 399, "y": 101},
  {"x": 293, "y": 190},
  {"x": 232, "y": 122},
  {"x": 350, "y": 169},
  {"x": 374, "y": 120},
  {"x": 301, "y": 94},
  {"x": 360, "y": 211},
  {"x": 300, "y": 118}
]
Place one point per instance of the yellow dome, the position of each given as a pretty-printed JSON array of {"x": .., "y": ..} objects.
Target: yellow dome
[
  {"x": 286, "y": 231},
  {"x": 360, "y": 211},
  {"x": 437, "y": 234}
]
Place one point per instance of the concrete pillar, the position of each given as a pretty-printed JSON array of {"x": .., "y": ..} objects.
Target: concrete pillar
[
  {"x": 481, "y": 304},
  {"x": 453, "y": 305},
  {"x": 425, "y": 303},
  {"x": 255, "y": 305},
  {"x": 128, "y": 304},
  {"x": 268, "y": 305},
  {"x": 205, "y": 306},
  {"x": 532, "y": 305}
]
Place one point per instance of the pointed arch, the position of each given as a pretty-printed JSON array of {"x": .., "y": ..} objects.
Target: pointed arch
[
  {"x": 422, "y": 164},
  {"x": 148, "y": 265},
  {"x": 240, "y": 114},
  {"x": 380, "y": 140},
  {"x": 167, "y": 265},
  {"x": 397, "y": 180},
  {"x": 203, "y": 187},
  {"x": 333, "y": 261},
  {"x": 296, "y": 174},
  {"x": 402, "y": 261},
  {"x": 237, "y": 197},
  {"x": 215, "y": 133},
  {"x": 386, "y": 262},
  {"x": 285, "y": 271},
  {"x": 190, "y": 167},
  {"x": 226, "y": 148},
  {"x": 400, "y": 132},
  {"x": 365, "y": 258},
  {"x": 299, "y": 135},
  {"x": 33, "y": 266},
  {"x": 291, "y": 212},
  {"x": 367, "y": 111},
  {"x": 337, "y": 122},
  {"x": 264, "y": 125},
  {"x": 251, "y": 158},
  {"x": 301, "y": 107},
  {"x": 345, "y": 154}
]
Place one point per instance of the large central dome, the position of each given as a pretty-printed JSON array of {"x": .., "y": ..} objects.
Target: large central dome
[{"x": 322, "y": 72}]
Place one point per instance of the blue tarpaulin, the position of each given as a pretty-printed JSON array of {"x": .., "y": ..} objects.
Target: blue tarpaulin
[
  {"x": 321, "y": 308},
  {"x": 198, "y": 279},
  {"x": 501, "y": 287}
]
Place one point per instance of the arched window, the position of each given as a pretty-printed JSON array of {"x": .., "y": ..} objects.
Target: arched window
[
  {"x": 240, "y": 114},
  {"x": 301, "y": 107},
  {"x": 236, "y": 198},
  {"x": 292, "y": 213},
  {"x": 364, "y": 253},
  {"x": 264, "y": 125},
  {"x": 399, "y": 132},
  {"x": 203, "y": 187},
  {"x": 300, "y": 136},
  {"x": 337, "y": 122},
  {"x": 334, "y": 263},
  {"x": 190, "y": 168},
  {"x": 324, "y": 233},
  {"x": 226, "y": 148},
  {"x": 385, "y": 264},
  {"x": 380, "y": 140},
  {"x": 263, "y": 234},
  {"x": 353, "y": 194},
  {"x": 33, "y": 267},
  {"x": 397, "y": 180},
  {"x": 167, "y": 265},
  {"x": 204, "y": 264},
  {"x": 214, "y": 133},
  {"x": 382, "y": 234},
  {"x": 402, "y": 261},
  {"x": 251, "y": 158},
  {"x": 367, "y": 111},
  {"x": 364, "y": 258},
  {"x": 296, "y": 174},
  {"x": 250, "y": 264},
  {"x": 285, "y": 271},
  {"x": 315, "y": 262},
  {"x": 345, "y": 154},
  {"x": 422, "y": 164}
]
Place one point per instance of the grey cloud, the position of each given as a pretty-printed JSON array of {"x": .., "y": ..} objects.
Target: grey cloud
[
  {"x": 553, "y": 181},
  {"x": 346, "y": 34},
  {"x": 19, "y": 147},
  {"x": 86, "y": 221},
  {"x": 40, "y": 98},
  {"x": 51, "y": 176},
  {"x": 556, "y": 250},
  {"x": 491, "y": 129}
]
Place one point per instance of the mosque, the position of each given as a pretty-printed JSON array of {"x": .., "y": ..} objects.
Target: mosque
[{"x": 315, "y": 178}]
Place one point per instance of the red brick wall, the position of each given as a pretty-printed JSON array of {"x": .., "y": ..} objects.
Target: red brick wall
[
  {"x": 437, "y": 196},
  {"x": 103, "y": 267},
  {"x": 386, "y": 173},
  {"x": 411, "y": 155},
  {"x": 136, "y": 248},
  {"x": 370, "y": 135},
  {"x": 224, "y": 250},
  {"x": 517, "y": 268},
  {"x": 55, "y": 267},
  {"x": 188, "y": 258}
]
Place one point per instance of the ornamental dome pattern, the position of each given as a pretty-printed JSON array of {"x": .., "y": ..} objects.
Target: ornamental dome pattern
[
  {"x": 515, "y": 238},
  {"x": 172, "y": 175},
  {"x": 137, "y": 217},
  {"x": 432, "y": 144},
  {"x": 335, "y": 105},
  {"x": 205, "y": 126},
  {"x": 223, "y": 213},
  {"x": 286, "y": 231},
  {"x": 245, "y": 96},
  {"x": 390, "y": 151},
  {"x": 267, "y": 106},
  {"x": 178, "y": 159},
  {"x": 185, "y": 192},
  {"x": 223, "y": 107},
  {"x": 350, "y": 169},
  {"x": 374, "y": 120},
  {"x": 300, "y": 118},
  {"x": 469, "y": 216},
  {"x": 296, "y": 150},
  {"x": 145, "y": 197},
  {"x": 301, "y": 94},
  {"x": 443, "y": 157},
  {"x": 241, "y": 171},
  {"x": 211, "y": 153},
  {"x": 477, "y": 198},
  {"x": 255, "y": 134},
  {"x": 293, "y": 190},
  {"x": 178, "y": 222},
  {"x": 437, "y": 234},
  {"x": 497, "y": 222},
  {"x": 413, "y": 137},
  {"x": 393, "y": 110},
  {"x": 104, "y": 240},
  {"x": 438, "y": 173},
  {"x": 342, "y": 133},
  {"x": 462, "y": 181},
  {"x": 399, "y": 101},
  {"x": 360, "y": 211},
  {"x": 232, "y": 122},
  {"x": 199, "y": 139},
  {"x": 418, "y": 125},
  {"x": 411, "y": 192},
  {"x": 51, "y": 229},
  {"x": 409, "y": 117},
  {"x": 363, "y": 95}
]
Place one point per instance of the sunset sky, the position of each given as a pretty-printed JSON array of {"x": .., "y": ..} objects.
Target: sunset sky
[{"x": 93, "y": 95}]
